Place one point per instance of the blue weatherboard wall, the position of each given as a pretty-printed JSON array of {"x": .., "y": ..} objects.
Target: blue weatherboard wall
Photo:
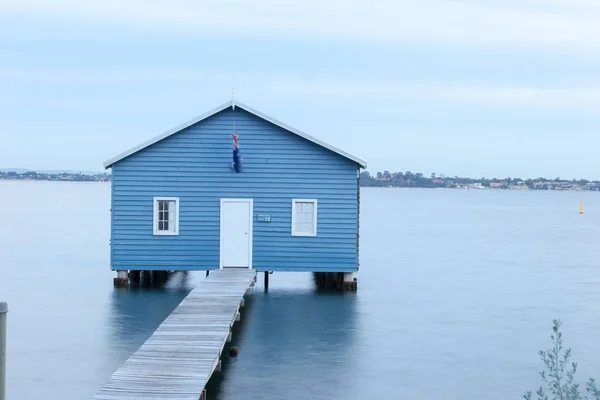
[{"x": 195, "y": 165}]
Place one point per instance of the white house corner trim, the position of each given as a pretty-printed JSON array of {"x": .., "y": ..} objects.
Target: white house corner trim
[{"x": 251, "y": 233}]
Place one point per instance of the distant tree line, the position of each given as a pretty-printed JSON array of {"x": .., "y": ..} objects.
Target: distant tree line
[
  {"x": 62, "y": 176},
  {"x": 410, "y": 179}
]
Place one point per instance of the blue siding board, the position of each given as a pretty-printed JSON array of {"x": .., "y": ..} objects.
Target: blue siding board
[{"x": 195, "y": 165}]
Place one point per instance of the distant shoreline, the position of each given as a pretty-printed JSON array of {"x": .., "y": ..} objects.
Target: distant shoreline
[
  {"x": 481, "y": 189},
  {"x": 54, "y": 177},
  {"x": 410, "y": 180},
  {"x": 384, "y": 180}
]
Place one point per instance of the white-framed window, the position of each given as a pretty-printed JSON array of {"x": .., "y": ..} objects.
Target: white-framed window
[
  {"x": 304, "y": 217},
  {"x": 166, "y": 215}
]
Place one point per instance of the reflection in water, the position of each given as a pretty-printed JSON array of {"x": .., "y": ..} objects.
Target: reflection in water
[
  {"x": 138, "y": 310},
  {"x": 215, "y": 384},
  {"x": 281, "y": 333},
  {"x": 293, "y": 334}
]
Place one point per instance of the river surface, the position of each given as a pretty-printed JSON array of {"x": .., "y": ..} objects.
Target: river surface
[{"x": 457, "y": 292}]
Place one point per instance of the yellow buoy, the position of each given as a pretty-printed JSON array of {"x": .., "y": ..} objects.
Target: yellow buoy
[{"x": 581, "y": 207}]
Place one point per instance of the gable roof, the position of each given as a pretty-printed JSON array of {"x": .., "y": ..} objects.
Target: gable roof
[{"x": 233, "y": 104}]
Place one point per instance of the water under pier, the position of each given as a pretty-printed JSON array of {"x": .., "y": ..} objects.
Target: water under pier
[{"x": 179, "y": 358}]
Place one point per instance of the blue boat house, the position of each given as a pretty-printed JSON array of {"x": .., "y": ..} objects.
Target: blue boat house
[{"x": 235, "y": 188}]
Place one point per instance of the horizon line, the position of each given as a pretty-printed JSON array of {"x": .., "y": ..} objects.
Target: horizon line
[{"x": 445, "y": 176}]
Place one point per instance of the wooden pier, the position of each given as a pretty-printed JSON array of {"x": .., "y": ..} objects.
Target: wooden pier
[{"x": 179, "y": 358}]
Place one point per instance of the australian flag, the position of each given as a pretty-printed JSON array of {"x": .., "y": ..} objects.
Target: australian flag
[{"x": 237, "y": 162}]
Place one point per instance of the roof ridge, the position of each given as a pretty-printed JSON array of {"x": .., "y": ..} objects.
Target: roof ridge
[{"x": 232, "y": 103}]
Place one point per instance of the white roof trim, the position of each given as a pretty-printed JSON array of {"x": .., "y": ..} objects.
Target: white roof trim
[
  {"x": 166, "y": 134},
  {"x": 357, "y": 160},
  {"x": 107, "y": 164}
]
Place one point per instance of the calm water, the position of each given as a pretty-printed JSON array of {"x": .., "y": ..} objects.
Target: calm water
[{"x": 457, "y": 292}]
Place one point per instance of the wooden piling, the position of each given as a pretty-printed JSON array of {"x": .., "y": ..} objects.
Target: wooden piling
[
  {"x": 146, "y": 278},
  {"x": 134, "y": 276},
  {"x": 162, "y": 277},
  {"x": 266, "y": 280},
  {"x": 350, "y": 282},
  {"x": 122, "y": 279},
  {"x": 335, "y": 281}
]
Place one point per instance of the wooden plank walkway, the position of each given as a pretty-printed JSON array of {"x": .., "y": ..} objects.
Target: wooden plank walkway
[{"x": 178, "y": 359}]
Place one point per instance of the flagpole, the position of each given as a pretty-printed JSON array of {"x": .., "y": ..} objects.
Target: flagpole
[{"x": 236, "y": 159}]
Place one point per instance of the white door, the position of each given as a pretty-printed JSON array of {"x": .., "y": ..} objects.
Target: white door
[{"x": 236, "y": 233}]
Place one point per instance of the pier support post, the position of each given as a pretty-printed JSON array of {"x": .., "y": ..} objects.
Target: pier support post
[
  {"x": 203, "y": 395},
  {"x": 336, "y": 281},
  {"x": 266, "y": 280},
  {"x": 147, "y": 277},
  {"x": 134, "y": 276},
  {"x": 350, "y": 281},
  {"x": 3, "y": 312},
  {"x": 161, "y": 277},
  {"x": 122, "y": 279},
  {"x": 328, "y": 280}
]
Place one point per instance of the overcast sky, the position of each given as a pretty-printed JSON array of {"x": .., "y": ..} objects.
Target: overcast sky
[{"x": 461, "y": 87}]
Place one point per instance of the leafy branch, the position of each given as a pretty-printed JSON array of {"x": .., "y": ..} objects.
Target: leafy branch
[{"x": 559, "y": 375}]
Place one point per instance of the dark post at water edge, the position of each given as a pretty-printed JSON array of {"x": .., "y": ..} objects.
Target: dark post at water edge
[{"x": 3, "y": 312}]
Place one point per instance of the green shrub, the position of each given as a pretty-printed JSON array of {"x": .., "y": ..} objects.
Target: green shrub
[{"x": 559, "y": 374}]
